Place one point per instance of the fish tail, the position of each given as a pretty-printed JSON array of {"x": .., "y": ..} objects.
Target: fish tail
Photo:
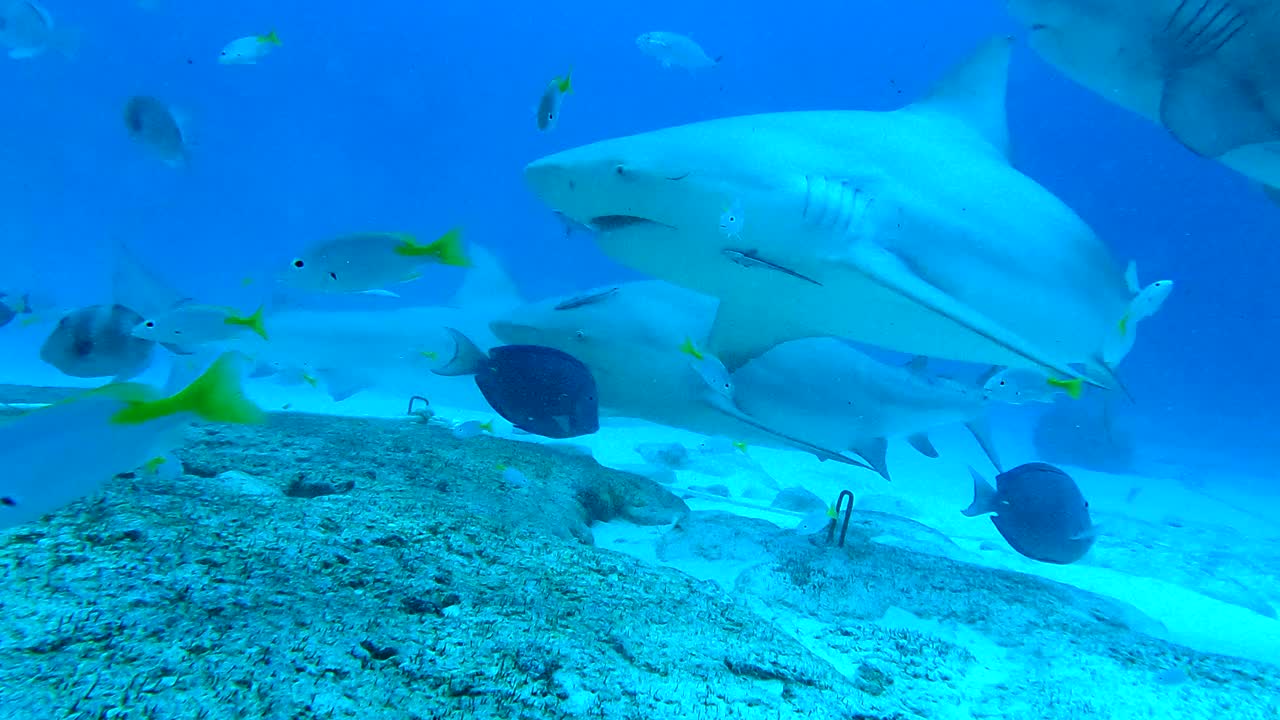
[
  {"x": 565, "y": 84},
  {"x": 1073, "y": 387},
  {"x": 688, "y": 348},
  {"x": 253, "y": 322},
  {"x": 487, "y": 426},
  {"x": 270, "y": 38},
  {"x": 216, "y": 396},
  {"x": 448, "y": 249}
]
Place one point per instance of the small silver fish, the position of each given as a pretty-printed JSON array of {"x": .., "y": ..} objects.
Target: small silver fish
[
  {"x": 749, "y": 259},
  {"x": 675, "y": 50},
  {"x": 472, "y": 428}
]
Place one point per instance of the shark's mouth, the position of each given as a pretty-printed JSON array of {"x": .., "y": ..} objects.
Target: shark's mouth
[{"x": 612, "y": 223}]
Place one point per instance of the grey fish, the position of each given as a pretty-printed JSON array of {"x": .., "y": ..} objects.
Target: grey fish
[
  {"x": 97, "y": 341},
  {"x": 749, "y": 259},
  {"x": 152, "y": 123},
  {"x": 1039, "y": 510},
  {"x": 28, "y": 30}
]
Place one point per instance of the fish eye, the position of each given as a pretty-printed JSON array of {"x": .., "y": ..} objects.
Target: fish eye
[
  {"x": 150, "y": 324},
  {"x": 298, "y": 263},
  {"x": 620, "y": 169},
  {"x": 580, "y": 335},
  {"x": 333, "y": 276}
]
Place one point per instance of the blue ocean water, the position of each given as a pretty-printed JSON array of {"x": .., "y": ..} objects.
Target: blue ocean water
[{"x": 419, "y": 117}]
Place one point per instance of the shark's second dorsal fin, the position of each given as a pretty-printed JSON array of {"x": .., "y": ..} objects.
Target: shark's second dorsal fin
[{"x": 974, "y": 92}]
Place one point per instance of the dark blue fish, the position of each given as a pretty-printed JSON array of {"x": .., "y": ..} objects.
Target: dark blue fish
[
  {"x": 1039, "y": 510},
  {"x": 538, "y": 389}
]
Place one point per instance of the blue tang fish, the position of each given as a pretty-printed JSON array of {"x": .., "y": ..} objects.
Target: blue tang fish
[
  {"x": 538, "y": 389},
  {"x": 1039, "y": 510}
]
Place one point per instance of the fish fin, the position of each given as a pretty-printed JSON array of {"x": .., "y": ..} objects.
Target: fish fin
[
  {"x": 1131, "y": 278},
  {"x": 379, "y": 292},
  {"x": 922, "y": 443},
  {"x": 743, "y": 331},
  {"x": 134, "y": 286},
  {"x": 1091, "y": 533},
  {"x": 688, "y": 348},
  {"x": 486, "y": 284},
  {"x": 467, "y": 357},
  {"x": 984, "y": 496},
  {"x": 565, "y": 84},
  {"x": 216, "y": 396},
  {"x": 253, "y": 322},
  {"x": 342, "y": 384},
  {"x": 1272, "y": 193},
  {"x": 448, "y": 249},
  {"x": 726, "y": 406},
  {"x": 988, "y": 374},
  {"x": 888, "y": 270},
  {"x": 1212, "y": 114},
  {"x": 1074, "y": 387},
  {"x": 974, "y": 92},
  {"x": 1111, "y": 378},
  {"x": 270, "y": 38},
  {"x": 980, "y": 428},
  {"x": 919, "y": 364},
  {"x": 177, "y": 349},
  {"x": 876, "y": 452}
]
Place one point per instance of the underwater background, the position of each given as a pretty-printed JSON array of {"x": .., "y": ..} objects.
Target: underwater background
[{"x": 419, "y": 117}]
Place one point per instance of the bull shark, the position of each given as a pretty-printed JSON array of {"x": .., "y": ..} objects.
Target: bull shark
[
  {"x": 822, "y": 392},
  {"x": 907, "y": 230},
  {"x": 1203, "y": 69}
]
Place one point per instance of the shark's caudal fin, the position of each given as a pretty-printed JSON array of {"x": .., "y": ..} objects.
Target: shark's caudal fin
[
  {"x": 727, "y": 406},
  {"x": 974, "y": 93},
  {"x": 486, "y": 285}
]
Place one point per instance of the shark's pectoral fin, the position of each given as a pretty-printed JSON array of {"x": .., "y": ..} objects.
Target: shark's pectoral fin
[
  {"x": 743, "y": 331},
  {"x": 888, "y": 270},
  {"x": 728, "y": 407},
  {"x": 922, "y": 444},
  {"x": 1211, "y": 111},
  {"x": 342, "y": 384}
]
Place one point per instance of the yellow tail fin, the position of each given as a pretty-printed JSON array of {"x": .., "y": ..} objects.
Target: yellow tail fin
[
  {"x": 1073, "y": 387},
  {"x": 270, "y": 38},
  {"x": 448, "y": 249},
  {"x": 215, "y": 396},
  {"x": 253, "y": 322},
  {"x": 688, "y": 348}
]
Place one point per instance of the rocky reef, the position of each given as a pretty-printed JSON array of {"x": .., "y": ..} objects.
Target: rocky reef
[{"x": 324, "y": 567}]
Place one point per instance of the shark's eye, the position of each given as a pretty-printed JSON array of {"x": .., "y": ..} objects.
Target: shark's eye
[
  {"x": 580, "y": 335},
  {"x": 620, "y": 169},
  {"x": 150, "y": 324},
  {"x": 333, "y": 276}
]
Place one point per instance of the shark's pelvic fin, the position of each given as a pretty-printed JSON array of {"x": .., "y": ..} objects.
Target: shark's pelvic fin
[{"x": 974, "y": 92}]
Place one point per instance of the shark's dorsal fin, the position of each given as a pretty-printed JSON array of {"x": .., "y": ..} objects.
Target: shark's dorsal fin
[{"x": 974, "y": 92}]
